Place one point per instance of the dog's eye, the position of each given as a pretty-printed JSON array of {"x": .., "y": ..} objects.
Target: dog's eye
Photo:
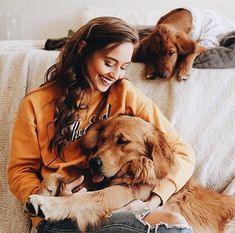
[
  {"x": 101, "y": 140},
  {"x": 122, "y": 141}
]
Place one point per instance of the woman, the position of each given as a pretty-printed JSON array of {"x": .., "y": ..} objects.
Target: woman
[{"x": 87, "y": 83}]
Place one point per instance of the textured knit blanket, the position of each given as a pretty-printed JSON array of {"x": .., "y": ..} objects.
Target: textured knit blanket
[{"x": 22, "y": 67}]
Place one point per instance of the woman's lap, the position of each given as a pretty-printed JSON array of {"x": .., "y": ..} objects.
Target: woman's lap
[{"x": 117, "y": 223}]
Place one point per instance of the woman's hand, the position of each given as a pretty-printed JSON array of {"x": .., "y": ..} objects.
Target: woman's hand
[
  {"x": 152, "y": 203},
  {"x": 68, "y": 188}
]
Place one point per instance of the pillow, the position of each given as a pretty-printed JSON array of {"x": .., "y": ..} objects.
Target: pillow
[{"x": 133, "y": 16}]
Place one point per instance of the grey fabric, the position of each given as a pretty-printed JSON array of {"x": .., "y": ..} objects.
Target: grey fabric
[
  {"x": 222, "y": 57},
  {"x": 58, "y": 43}
]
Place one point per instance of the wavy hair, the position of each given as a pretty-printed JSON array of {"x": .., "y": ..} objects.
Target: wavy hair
[{"x": 69, "y": 73}]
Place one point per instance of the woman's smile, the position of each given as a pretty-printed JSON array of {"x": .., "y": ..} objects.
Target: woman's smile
[{"x": 104, "y": 80}]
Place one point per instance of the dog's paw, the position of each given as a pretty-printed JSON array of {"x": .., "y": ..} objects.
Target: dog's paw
[
  {"x": 181, "y": 77},
  {"x": 50, "y": 186},
  {"x": 45, "y": 207},
  {"x": 183, "y": 74}
]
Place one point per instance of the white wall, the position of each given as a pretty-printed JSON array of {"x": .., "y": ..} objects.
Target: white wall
[{"x": 42, "y": 19}]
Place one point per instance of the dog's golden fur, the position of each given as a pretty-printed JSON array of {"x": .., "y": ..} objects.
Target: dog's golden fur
[
  {"x": 169, "y": 50},
  {"x": 135, "y": 156}
]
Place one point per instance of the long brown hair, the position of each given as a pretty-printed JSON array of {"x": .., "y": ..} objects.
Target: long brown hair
[{"x": 69, "y": 73}]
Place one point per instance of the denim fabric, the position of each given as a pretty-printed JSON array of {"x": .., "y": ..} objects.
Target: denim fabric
[{"x": 117, "y": 223}]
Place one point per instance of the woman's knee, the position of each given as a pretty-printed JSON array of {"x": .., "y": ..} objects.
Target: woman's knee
[{"x": 168, "y": 217}]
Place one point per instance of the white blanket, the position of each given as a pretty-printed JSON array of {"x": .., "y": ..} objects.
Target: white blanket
[{"x": 209, "y": 27}]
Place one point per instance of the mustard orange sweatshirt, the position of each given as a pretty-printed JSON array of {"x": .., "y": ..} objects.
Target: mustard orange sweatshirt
[{"x": 31, "y": 161}]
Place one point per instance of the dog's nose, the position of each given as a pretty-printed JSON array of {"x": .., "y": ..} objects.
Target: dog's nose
[
  {"x": 150, "y": 76},
  {"x": 95, "y": 164},
  {"x": 161, "y": 74}
]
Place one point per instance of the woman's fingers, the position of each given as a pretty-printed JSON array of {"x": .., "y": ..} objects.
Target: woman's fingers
[
  {"x": 134, "y": 205},
  {"x": 72, "y": 187}
]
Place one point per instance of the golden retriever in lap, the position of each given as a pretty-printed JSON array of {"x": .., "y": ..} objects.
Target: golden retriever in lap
[
  {"x": 169, "y": 50},
  {"x": 132, "y": 160}
]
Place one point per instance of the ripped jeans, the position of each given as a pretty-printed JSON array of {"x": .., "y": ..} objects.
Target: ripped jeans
[{"x": 119, "y": 222}]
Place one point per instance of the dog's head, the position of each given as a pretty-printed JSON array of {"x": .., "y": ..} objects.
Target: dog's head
[
  {"x": 127, "y": 149},
  {"x": 163, "y": 50}
]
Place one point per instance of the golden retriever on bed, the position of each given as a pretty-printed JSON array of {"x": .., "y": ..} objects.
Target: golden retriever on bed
[
  {"x": 132, "y": 156},
  {"x": 169, "y": 50}
]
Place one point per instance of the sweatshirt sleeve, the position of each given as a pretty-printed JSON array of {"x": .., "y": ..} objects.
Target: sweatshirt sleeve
[
  {"x": 183, "y": 153},
  {"x": 24, "y": 164}
]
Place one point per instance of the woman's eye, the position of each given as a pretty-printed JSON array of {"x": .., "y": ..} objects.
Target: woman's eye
[
  {"x": 124, "y": 67},
  {"x": 108, "y": 64}
]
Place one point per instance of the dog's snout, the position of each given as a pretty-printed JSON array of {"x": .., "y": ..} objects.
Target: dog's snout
[
  {"x": 95, "y": 164},
  {"x": 157, "y": 74},
  {"x": 29, "y": 208}
]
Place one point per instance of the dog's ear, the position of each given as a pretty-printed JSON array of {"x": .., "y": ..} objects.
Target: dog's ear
[
  {"x": 141, "y": 53},
  {"x": 160, "y": 152},
  {"x": 90, "y": 139},
  {"x": 184, "y": 43}
]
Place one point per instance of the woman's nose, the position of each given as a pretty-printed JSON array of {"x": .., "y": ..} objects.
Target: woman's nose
[{"x": 115, "y": 74}]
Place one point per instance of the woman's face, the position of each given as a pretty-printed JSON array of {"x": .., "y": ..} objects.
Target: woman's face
[{"x": 104, "y": 68}]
